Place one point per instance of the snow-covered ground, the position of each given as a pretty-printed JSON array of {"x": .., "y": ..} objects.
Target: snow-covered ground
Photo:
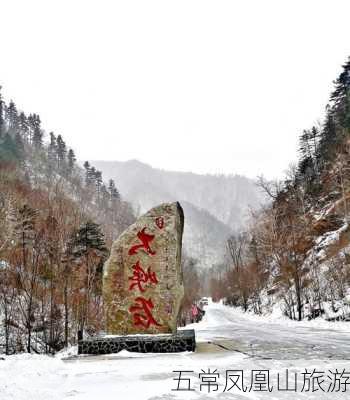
[{"x": 238, "y": 342}]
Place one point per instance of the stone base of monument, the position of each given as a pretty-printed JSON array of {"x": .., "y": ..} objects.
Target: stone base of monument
[{"x": 183, "y": 340}]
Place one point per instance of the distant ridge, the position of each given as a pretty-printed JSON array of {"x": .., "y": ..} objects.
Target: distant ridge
[{"x": 214, "y": 205}]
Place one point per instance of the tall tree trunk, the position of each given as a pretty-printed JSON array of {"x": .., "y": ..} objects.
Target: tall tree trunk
[
  {"x": 6, "y": 326},
  {"x": 298, "y": 294},
  {"x": 51, "y": 306},
  {"x": 66, "y": 316},
  {"x": 29, "y": 325}
]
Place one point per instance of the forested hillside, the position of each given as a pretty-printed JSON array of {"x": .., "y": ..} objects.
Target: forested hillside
[
  {"x": 296, "y": 252},
  {"x": 214, "y": 205},
  {"x": 57, "y": 224},
  {"x": 58, "y": 221}
]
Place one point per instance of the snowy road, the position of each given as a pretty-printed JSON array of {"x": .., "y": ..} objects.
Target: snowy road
[
  {"x": 237, "y": 342},
  {"x": 277, "y": 340}
]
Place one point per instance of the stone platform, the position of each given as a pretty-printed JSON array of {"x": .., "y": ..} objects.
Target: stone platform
[{"x": 183, "y": 340}]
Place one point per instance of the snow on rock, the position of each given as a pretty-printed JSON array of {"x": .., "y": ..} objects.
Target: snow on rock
[{"x": 319, "y": 250}]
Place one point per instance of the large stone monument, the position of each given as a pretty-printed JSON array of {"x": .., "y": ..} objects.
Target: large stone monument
[
  {"x": 143, "y": 287},
  {"x": 142, "y": 282}
]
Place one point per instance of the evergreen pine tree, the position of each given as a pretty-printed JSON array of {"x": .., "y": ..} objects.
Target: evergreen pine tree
[
  {"x": 12, "y": 118},
  {"x": 88, "y": 237},
  {"x": 25, "y": 233},
  {"x": 88, "y": 246},
  {"x": 113, "y": 191},
  {"x": 341, "y": 96},
  {"x": 98, "y": 181},
  {"x": 71, "y": 161},
  {"x": 92, "y": 175},
  {"x": 308, "y": 147},
  {"x": 326, "y": 148},
  {"x": 87, "y": 173},
  {"x": 37, "y": 134},
  {"x": 23, "y": 126},
  {"x": 61, "y": 151},
  {"x": 104, "y": 197},
  {"x": 52, "y": 149}
]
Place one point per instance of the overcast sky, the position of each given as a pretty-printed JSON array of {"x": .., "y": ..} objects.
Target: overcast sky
[{"x": 206, "y": 86}]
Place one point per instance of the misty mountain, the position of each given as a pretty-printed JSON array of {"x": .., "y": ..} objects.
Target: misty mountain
[{"x": 214, "y": 205}]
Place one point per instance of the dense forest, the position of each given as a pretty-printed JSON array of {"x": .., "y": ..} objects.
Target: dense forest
[
  {"x": 58, "y": 221},
  {"x": 296, "y": 252}
]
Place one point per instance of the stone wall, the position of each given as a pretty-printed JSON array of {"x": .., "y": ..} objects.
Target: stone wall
[{"x": 183, "y": 340}]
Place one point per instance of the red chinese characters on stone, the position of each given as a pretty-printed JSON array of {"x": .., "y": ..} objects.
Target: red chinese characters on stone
[
  {"x": 141, "y": 276},
  {"x": 160, "y": 222},
  {"x": 142, "y": 308},
  {"x": 142, "y": 314},
  {"x": 145, "y": 240}
]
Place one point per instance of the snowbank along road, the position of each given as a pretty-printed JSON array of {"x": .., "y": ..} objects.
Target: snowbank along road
[{"x": 229, "y": 342}]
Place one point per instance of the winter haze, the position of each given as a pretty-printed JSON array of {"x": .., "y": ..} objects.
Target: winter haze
[{"x": 214, "y": 205}]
